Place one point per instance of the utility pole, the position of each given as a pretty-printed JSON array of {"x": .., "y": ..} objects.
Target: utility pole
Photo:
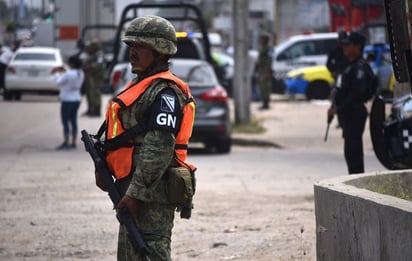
[
  {"x": 241, "y": 86},
  {"x": 277, "y": 22}
]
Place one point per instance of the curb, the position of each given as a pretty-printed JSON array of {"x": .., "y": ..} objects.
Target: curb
[{"x": 254, "y": 143}]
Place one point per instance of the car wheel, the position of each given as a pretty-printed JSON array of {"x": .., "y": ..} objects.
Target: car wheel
[
  {"x": 224, "y": 145},
  {"x": 7, "y": 96},
  {"x": 386, "y": 94},
  {"x": 17, "y": 96},
  {"x": 319, "y": 90},
  {"x": 219, "y": 145}
]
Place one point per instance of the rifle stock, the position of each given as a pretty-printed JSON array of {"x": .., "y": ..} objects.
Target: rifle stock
[{"x": 124, "y": 216}]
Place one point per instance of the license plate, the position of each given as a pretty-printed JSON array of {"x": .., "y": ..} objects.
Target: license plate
[{"x": 33, "y": 73}]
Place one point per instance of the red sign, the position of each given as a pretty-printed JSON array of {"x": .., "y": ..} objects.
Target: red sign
[
  {"x": 69, "y": 32},
  {"x": 352, "y": 15}
]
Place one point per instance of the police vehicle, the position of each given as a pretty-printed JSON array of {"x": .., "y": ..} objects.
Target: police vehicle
[{"x": 391, "y": 118}]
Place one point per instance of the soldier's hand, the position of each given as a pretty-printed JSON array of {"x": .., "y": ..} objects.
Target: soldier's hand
[
  {"x": 132, "y": 204},
  {"x": 99, "y": 181}
]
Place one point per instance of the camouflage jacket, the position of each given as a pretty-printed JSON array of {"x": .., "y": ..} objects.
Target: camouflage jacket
[
  {"x": 264, "y": 61},
  {"x": 94, "y": 65}
]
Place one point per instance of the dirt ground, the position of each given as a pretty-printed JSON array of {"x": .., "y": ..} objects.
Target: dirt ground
[
  {"x": 51, "y": 210},
  {"x": 67, "y": 218}
]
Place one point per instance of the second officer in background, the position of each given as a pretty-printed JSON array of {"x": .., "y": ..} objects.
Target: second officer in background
[
  {"x": 349, "y": 102},
  {"x": 93, "y": 67},
  {"x": 264, "y": 70}
]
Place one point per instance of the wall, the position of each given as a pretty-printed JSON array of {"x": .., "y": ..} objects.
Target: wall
[
  {"x": 358, "y": 224},
  {"x": 300, "y": 16}
]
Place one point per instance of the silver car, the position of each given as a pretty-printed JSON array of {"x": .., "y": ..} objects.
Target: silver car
[
  {"x": 29, "y": 70},
  {"x": 212, "y": 118}
]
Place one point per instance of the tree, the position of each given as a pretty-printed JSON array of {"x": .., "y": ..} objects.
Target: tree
[
  {"x": 241, "y": 81},
  {"x": 3, "y": 10}
]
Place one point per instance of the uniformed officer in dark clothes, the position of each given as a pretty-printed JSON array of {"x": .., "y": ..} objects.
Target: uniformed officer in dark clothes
[{"x": 349, "y": 101}]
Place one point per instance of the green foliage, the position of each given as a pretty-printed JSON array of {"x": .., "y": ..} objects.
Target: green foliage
[
  {"x": 410, "y": 8},
  {"x": 397, "y": 185},
  {"x": 254, "y": 127},
  {"x": 10, "y": 27}
]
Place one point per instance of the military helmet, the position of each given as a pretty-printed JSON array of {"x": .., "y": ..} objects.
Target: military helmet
[
  {"x": 265, "y": 37},
  {"x": 93, "y": 46},
  {"x": 154, "y": 31}
]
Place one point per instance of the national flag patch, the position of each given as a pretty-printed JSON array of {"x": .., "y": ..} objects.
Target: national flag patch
[{"x": 167, "y": 103}]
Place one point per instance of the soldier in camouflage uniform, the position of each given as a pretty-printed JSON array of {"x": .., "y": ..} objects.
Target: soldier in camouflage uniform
[
  {"x": 152, "y": 40},
  {"x": 94, "y": 77},
  {"x": 264, "y": 70}
]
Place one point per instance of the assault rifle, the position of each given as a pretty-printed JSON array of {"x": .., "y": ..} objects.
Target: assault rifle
[{"x": 124, "y": 216}]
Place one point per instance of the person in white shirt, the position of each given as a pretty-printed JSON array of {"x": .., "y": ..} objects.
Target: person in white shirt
[
  {"x": 70, "y": 82},
  {"x": 5, "y": 57}
]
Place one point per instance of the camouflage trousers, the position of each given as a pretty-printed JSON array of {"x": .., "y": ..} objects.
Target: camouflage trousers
[
  {"x": 156, "y": 223},
  {"x": 265, "y": 86},
  {"x": 94, "y": 95}
]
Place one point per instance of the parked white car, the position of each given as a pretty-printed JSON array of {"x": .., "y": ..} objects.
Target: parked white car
[
  {"x": 29, "y": 71},
  {"x": 302, "y": 51}
]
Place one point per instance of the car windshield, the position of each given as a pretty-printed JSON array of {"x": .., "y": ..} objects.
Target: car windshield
[
  {"x": 107, "y": 46},
  {"x": 35, "y": 56}
]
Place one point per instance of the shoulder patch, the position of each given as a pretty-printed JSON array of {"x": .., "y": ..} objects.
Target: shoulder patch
[
  {"x": 359, "y": 74},
  {"x": 167, "y": 103}
]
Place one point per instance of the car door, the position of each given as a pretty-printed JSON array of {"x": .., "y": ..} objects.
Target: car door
[{"x": 309, "y": 52}]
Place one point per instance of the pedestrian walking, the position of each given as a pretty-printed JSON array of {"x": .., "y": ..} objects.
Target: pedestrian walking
[
  {"x": 349, "y": 102},
  {"x": 264, "y": 70},
  {"x": 94, "y": 78},
  {"x": 5, "y": 57},
  {"x": 147, "y": 132},
  {"x": 70, "y": 83}
]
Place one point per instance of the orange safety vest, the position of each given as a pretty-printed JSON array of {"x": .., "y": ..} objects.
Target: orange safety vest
[{"x": 120, "y": 160}]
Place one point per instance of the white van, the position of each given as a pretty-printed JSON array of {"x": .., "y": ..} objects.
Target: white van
[{"x": 302, "y": 50}]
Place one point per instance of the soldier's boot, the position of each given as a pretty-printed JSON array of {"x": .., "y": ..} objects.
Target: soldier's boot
[
  {"x": 86, "y": 113},
  {"x": 94, "y": 112},
  {"x": 265, "y": 106}
]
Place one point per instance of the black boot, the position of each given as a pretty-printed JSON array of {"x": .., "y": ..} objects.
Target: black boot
[{"x": 95, "y": 112}]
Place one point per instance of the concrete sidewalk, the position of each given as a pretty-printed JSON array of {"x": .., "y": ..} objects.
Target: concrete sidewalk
[{"x": 284, "y": 122}]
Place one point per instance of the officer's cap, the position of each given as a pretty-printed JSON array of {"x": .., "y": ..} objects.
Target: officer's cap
[
  {"x": 355, "y": 38},
  {"x": 342, "y": 35}
]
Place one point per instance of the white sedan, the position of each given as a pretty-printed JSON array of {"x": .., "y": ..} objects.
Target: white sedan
[{"x": 30, "y": 70}]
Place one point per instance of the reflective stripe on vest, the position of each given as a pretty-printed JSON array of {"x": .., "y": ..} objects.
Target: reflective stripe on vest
[{"x": 120, "y": 161}]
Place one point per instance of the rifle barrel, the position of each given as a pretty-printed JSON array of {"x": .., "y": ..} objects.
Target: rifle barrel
[{"x": 327, "y": 132}]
